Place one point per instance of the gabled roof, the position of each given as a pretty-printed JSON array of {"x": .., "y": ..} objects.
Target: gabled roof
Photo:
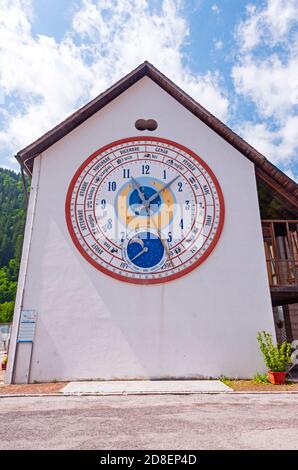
[{"x": 264, "y": 169}]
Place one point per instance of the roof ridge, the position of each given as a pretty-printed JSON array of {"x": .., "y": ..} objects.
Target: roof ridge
[{"x": 263, "y": 165}]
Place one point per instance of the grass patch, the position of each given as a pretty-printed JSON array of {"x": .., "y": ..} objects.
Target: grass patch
[
  {"x": 261, "y": 379},
  {"x": 225, "y": 380}
]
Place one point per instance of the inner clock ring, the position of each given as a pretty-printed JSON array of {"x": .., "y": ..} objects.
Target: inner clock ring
[
  {"x": 133, "y": 161},
  {"x": 130, "y": 208}
]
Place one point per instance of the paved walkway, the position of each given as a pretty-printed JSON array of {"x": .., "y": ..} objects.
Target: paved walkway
[
  {"x": 222, "y": 421},
  {"x": 145, "y": 387}
]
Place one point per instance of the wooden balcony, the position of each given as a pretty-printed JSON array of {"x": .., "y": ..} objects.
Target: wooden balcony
[{"x": 281, "y": 250}]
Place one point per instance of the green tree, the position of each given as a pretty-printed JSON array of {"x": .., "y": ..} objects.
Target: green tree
[
  {"x": 12, "y": 223},
  {"x": 6, "y": 312}
]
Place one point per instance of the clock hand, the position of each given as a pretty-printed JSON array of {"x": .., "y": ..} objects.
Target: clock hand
[
  {"x": 144, "y": 250},
  {"x": 160, "y": 237},
  {"x": 151, "y": 198},
  {"x": 138, "y": 188}
]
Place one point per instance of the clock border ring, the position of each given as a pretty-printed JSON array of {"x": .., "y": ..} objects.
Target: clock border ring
[{"x": 171, "y": 277}]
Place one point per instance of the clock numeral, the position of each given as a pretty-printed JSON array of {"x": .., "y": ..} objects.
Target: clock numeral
[
  {"x": 170, "y": 238},
  {"x": 187, "y": 205},
  {"x": 206, "y": 189},
  {"x": 123, "y": 265},
  {"x": 181, "y": 224},
  {"x": 208, "y": 220},
  {"x": 108, "y": 225},
  {"x": 164, "y": 174},
  {"x": 145, "y": 169},
  {"x": 180, "y": 186},
  {"x": 126, "y": 173},
  {"x": 112, "y": 186},
  {"x": 167, "y": 265},
  {"x": 103, "y": 203},
  {"x": 122, "y": 237}
]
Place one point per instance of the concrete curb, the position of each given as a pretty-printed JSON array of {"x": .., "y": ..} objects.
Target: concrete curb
[
  {"x": 110, "y": 394},
  {"x": 85, "y": 394}
]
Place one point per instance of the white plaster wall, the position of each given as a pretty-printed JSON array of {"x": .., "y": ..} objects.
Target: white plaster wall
[{"x": 92, "y": 326}]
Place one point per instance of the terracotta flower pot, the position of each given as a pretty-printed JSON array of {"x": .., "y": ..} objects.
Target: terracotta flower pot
[{"x": 276, "y": 378}]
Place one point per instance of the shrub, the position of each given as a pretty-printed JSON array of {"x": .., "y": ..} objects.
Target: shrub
[
  {"x": 4, "y": 360},
  {"x": 276, "y": 357}
]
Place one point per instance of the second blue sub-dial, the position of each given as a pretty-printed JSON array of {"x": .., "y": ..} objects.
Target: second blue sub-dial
[{"x": 144, "y": 251}]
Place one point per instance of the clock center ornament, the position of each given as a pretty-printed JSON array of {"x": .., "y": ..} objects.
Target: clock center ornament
[{"x": 144, "y": 210}]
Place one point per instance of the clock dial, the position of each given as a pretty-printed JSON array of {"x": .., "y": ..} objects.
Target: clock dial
[{"x": 144, "y": 210}]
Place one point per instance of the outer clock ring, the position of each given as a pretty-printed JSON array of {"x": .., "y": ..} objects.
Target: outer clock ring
[{"x": 120, "y": 277}]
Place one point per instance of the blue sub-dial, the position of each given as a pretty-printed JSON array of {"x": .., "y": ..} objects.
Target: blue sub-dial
[
  {"x": 136, "y": 205},
  {"x": 145, "y": 250}
]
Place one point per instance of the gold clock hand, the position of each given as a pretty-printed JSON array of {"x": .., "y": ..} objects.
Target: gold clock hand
[{"x": 151, "y": 198}]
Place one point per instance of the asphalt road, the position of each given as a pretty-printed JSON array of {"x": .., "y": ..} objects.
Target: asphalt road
[{"x": 150, "y": 422}]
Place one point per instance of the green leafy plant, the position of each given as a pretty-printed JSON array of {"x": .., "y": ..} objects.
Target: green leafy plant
[
  {"x": 261, "y": 379},
  {"x": 276, "y": 357},
  {"x": 4, "y": 360}
]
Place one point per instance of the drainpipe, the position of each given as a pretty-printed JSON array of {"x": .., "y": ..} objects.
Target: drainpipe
[
  {"x": 9, "y": 376},
  {"x": 24, "y": 188}
]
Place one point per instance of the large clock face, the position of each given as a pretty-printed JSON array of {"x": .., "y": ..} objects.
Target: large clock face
[{"x": 144, "y": 210}]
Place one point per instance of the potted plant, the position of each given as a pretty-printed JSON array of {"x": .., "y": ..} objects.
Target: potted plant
[
  {"x": 4, "y": 362},
  {"x": 276, "y": 357}
]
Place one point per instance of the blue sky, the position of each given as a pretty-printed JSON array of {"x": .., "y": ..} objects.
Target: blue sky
[{"x": 239, "y": 58}]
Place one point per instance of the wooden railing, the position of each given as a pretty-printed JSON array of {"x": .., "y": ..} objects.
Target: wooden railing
[
  {"x": 281, "y": 249},
  {"x": 282, "y": 272}
]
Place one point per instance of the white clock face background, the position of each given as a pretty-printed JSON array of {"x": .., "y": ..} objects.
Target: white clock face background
[{"x": 144, "y": 210}]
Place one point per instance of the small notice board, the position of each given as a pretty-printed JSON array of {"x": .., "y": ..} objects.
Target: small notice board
[{"x": 27, "y": 326}]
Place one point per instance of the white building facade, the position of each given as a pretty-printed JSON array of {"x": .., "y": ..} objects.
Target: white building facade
[{"x": 91, "y": 325}]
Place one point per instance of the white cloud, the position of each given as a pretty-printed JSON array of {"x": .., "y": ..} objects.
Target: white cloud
[
  {"x": 270, "y": 80},
  {"x": 218, "y": 44},
  {"x": 45, "y": 76},
  {"x": 279, "y": 144},
  {"x": 143, "y": 35},
  {"x": 271, "y": 83},
  {"x": 215, "y": 8},
  {"x": 52, "y": 78},
  {"x": 291, "y": 174},
  {"x": 269, "y": 25}
]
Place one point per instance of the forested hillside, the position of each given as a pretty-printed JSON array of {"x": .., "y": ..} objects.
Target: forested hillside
[{"x": 12, "y": 222}]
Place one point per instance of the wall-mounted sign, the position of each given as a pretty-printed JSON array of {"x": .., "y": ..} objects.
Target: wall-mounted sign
[
  {"x": 144, "y": 210},
  {"x": 27, "y": 326}
]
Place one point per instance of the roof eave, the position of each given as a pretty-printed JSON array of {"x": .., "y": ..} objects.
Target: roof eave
[{"x": 280, "y": 181}]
